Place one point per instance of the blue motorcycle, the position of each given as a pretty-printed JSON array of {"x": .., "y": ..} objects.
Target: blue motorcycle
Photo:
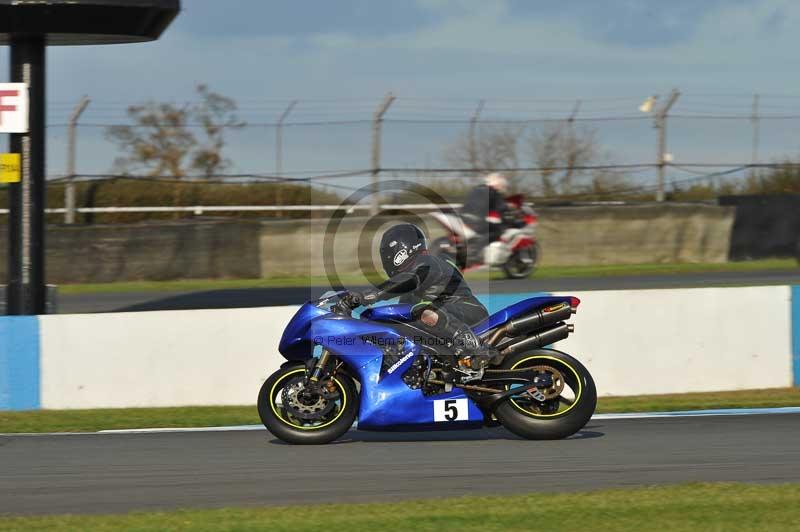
[{"x": 390, "y": 375}]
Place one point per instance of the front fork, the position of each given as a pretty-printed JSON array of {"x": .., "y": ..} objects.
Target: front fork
[{"x": 319, "y": 368}]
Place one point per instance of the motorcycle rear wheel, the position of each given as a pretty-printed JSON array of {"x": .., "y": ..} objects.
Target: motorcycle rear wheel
[
  {"x": 517, "y": 267},
  {"x": 569, "y": 404},
  {"x": 291, "y": 428}
]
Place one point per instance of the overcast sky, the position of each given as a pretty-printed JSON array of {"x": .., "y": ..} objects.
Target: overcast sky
[{"x": 611, "y": 54}]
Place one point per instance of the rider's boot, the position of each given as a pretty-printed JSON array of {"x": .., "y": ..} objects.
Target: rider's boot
[{"x": 472, "y": 356}]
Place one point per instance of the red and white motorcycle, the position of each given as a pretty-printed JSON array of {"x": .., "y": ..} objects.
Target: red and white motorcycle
[{"x": 517, "y": 251}]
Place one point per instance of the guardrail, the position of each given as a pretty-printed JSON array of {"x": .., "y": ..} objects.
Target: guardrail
[
  {"x": 51, "y": 299},
  {"x": 200, "y": 209}
]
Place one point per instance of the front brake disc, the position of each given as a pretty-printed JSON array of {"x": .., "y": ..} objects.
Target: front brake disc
[{"x": 308, "y": 406}]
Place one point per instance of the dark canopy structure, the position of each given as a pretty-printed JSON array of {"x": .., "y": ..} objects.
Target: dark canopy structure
[
  {"x": 71, "y": 22},
  {"x": 28, "y": 27}
]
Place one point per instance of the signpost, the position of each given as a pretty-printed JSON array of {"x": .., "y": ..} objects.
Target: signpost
[
  {"x": 28, "y": 27},
  {"x": 9, "y": 168},
  {"x": 13, "y": 108}
]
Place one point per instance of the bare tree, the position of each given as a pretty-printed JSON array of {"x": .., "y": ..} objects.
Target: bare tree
[
  {"x": 217, "y": 114},
  {"x": 561, "y": 151},
  {"x": 157, "y": 144},
  {"x": 492, "y": 149},
  {"x": 605, "y": 183},
  {"x": 160, "y": 141}
]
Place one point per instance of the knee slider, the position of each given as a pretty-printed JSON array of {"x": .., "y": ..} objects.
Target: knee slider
[{"x": 429, "y": 317}]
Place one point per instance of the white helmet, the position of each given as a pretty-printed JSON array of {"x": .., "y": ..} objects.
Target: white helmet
[{"x": 497, "y": 181}]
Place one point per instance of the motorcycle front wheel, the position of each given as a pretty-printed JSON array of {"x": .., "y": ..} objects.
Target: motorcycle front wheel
[
  {"x": 553, "y": 413},
  {"x": 296, "y": 413},
  {"x": 523, "y": 262}
]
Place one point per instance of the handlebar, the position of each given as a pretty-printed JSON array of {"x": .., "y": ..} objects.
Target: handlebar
[
  {"x": 338, "y": 307},
  {"x": 342, "y": 309}
]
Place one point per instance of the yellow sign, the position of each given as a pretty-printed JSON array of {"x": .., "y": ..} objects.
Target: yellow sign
[{"x": 9, "y": 168}]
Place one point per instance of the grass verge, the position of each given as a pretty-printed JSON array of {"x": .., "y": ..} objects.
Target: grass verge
[
  {"x": 210, "y": 416},
  {"x": 546, "y": 272},
  {"x": 692, "y": 507}
]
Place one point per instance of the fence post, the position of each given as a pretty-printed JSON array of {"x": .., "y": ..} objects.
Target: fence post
[
  {"x": 755, "y": 120},
  {"x": 574, "y": 114},
  {"x": 661, "y": 125},
  {"x": 376, "y": 150},
  {"x": 279, "y": 150},
  {"x": 473, "y": 122},
  {"x": 69, "y": 190}
]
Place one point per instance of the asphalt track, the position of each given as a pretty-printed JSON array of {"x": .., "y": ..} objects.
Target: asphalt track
[
  {"x": 262, "y": 297},
  {"x": 112, "y": 473}
]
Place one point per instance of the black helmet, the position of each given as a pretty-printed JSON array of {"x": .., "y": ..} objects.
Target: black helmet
[{"x": 400, "y": 245}]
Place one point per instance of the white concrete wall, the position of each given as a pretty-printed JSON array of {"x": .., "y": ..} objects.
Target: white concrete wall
[
  {"x": 633, "y": 342},
  {"x": 200, "y": 357},
  {"x": 688, "y": 340}
]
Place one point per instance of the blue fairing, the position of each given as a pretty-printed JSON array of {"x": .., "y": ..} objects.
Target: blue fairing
[
  {"x": 295, "y": 343},
  {"x": 386, "y": 401},
  {"x": 516, "y": 310},
  {"x": 398, "y": 312}
]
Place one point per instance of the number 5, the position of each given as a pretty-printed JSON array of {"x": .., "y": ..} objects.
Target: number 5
[
  {"x": 447, "y": 410},
  {"x": 451, "y": 410}
]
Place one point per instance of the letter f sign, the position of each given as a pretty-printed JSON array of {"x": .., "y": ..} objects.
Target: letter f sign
[{"x": 13, "y": 108}]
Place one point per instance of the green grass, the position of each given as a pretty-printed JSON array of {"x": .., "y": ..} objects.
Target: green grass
[
  {"x": 691, "y": 508},
  {"x": 126, "y": 418},
  {"x": 209, "y": 416},
  {"x": 665, "y": 269},
  {"x": 772, "y": 397},
  {"x": 546, "y": 272}
]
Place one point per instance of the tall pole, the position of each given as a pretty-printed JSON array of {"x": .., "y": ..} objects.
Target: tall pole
[
  {"x": 279, "y": 149},
  {"x": 376, "y": 150},
  {"x": 279, "y": 139},
  {"x": 756, "y": 133},
  {"x": 69, "y": 192},
  {"x": 661, "y": 125},
  {"x": 574, "y": 113},
  {"x": 26, "y": 271},
  {"x": 473, "y": 122}
]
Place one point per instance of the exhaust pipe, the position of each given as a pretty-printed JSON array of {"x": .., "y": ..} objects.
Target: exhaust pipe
[
  {"x": 546, "y": 337},
  {"x": 533, "y": 322},
  {"x": 539, "y": 319}
]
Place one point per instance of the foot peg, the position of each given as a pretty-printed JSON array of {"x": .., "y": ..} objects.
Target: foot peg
[{"x": 480, "y": 359}]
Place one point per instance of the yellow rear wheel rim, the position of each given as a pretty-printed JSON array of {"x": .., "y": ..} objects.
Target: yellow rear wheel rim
[{"x": 578, "y": 393}]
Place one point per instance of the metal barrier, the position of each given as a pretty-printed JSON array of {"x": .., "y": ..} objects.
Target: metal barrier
[
  {"x": 51, "y": 303},
  {"x": 200, "y": 209}
]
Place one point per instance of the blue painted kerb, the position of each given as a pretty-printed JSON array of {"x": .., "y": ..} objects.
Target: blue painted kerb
[
  {"x": 796, "y": 334},
  {"x": 19, "y": 363}
]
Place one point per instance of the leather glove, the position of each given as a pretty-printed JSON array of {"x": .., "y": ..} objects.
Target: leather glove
[{"x": 352, "y": 300}]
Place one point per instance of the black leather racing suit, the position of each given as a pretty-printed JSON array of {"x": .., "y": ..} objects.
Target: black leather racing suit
[
  {"x": 484, "y": 211},
  {"x": 432, "y": 283}
]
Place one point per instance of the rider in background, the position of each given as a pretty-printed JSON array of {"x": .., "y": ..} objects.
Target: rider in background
[
  {"x": 484, "y": 210},
  {"x": 443, "y": 302}
]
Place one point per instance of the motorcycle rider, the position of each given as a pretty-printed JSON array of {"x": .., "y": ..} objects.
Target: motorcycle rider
[
  {"x": 485, "y": 209},
  {"x": 443, "y": 302}
]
